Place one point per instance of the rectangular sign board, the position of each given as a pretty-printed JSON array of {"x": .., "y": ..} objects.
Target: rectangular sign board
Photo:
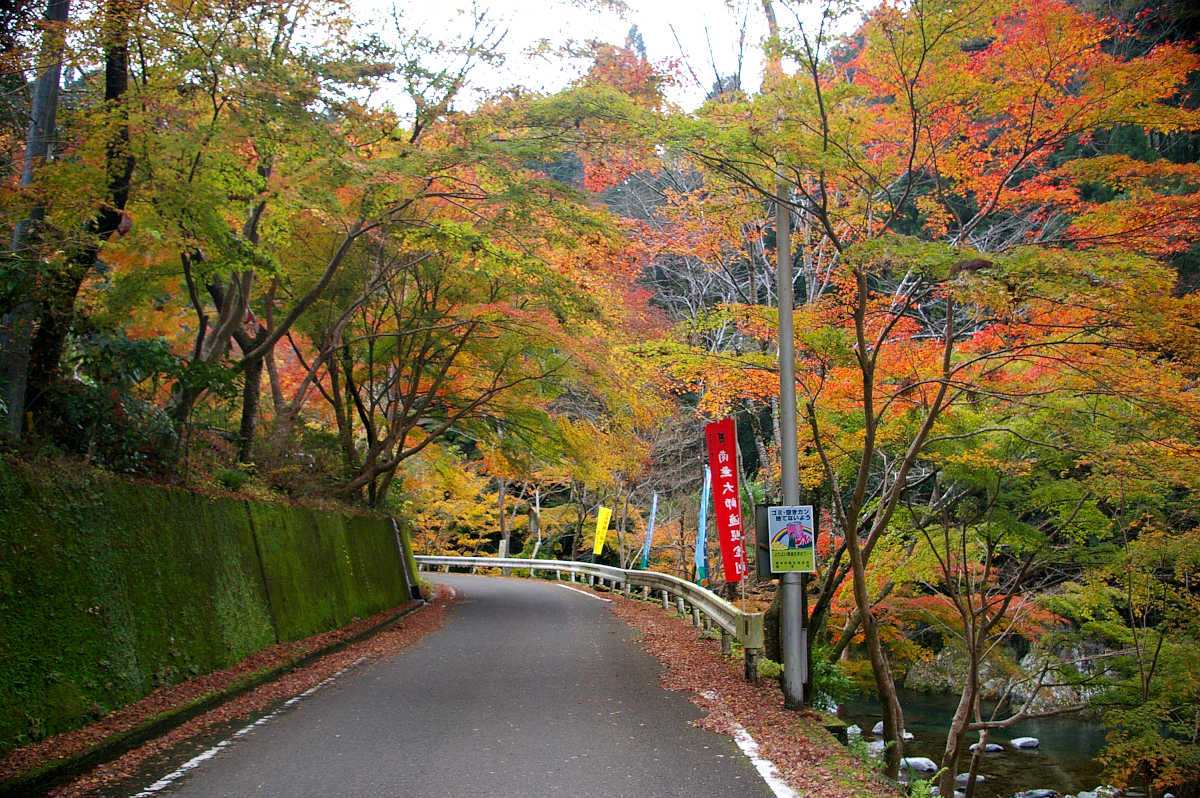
[
  {"x": 792, "y": 533},
  {"x": 721, "y": 440}
]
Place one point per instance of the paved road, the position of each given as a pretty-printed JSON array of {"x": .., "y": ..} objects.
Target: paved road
[{"x": 531, "y": 689}]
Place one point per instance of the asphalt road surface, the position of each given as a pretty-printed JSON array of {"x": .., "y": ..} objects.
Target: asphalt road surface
[{"x": 530, "y": 689}]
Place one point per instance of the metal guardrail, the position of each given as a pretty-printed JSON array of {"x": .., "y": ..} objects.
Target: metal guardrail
[{"x": 706, "y": 607}]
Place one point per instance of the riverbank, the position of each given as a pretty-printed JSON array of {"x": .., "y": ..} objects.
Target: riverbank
[{"x": 1064, "y": 761}]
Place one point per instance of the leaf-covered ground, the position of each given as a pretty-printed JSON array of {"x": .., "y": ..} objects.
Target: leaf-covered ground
[
  {"x": 807, "y": 756},
  {"x": 386, "y": 643}
]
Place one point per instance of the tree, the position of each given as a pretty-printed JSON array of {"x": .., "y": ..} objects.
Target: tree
[
  {"x": 950, "y": 123},
  {"x": 19, "y": 312}
]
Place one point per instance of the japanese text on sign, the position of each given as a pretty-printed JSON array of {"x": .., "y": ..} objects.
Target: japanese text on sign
[
  {"x": 721, "y": 440},
  {"x": 793, "y": 539}
]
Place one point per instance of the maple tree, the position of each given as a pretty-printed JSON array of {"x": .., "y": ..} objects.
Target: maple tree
[{"x": 947, "y": 250}]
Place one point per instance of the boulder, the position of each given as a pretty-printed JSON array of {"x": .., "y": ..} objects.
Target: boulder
[
  {"x": 876, "y": 747},
  {"x": 1038, "y": 793},
  {"x": 877, "y": 730},
  {"x": 854, "y": 730},
  {"x": 990, "y": 748},
  {"x": 962, "y": 778},
  {"x": 1025, "y": 742},
  {"x": 920, "y": 764}
]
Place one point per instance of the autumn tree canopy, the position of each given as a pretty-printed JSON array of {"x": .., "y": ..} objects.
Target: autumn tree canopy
[{"x": 258, "y": 244}]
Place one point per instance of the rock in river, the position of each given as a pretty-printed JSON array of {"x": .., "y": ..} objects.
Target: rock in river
[
  {"x": 921, "y": 764},
  {"x": 1024, "y": 742},
  {"x": 877, "y": 730}
]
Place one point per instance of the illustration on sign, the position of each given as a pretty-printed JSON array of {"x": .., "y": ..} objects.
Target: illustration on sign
[{"x": 793, "y": 539}]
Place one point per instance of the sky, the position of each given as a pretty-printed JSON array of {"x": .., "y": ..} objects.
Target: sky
[{"x": 702, "y": 35}]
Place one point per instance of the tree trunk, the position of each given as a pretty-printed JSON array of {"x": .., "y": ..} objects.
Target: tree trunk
[
  {"x": 502, "y": 518},
  {"x": 18, "y": 323},
  {"x": 622, "y": 549},
  {"x": 957, "y": 735},
  {"x": 251, "y": 401},
  {"x": 893, "y": 716},
  {"x": 535, "y": 520},
  {"x": 56, "y": 314}
]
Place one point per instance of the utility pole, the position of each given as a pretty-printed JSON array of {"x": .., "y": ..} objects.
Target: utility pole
[{"x": 793, "y": 621}]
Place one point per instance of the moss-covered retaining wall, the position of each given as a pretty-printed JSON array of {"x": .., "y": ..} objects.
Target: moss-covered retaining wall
[{"x": 109, "y": 590}]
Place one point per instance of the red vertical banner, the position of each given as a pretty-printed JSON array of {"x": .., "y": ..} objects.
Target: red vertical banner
[{"x": 721, "y": 438}]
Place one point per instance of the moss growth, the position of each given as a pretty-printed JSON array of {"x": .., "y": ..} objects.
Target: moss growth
[{"x": 109, "y": 590}]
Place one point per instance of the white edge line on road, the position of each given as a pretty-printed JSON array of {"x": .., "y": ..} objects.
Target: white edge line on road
[
  {"x": 200, "y": 758},
  {"x": 585, "y": 593},
  {"x": 766, "y": 768}
]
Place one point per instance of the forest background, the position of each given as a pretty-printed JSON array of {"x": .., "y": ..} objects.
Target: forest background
[{"x": 255, "y": 246}]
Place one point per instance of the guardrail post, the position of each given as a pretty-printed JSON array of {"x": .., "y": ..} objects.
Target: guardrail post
[
  {"x": 591, "y": 580},
  {"x": 681, "y": 606},
  {"x": 666, "y": 600},
  {"x": 445, "y": 569},
  {"x": 696, "y": 620},
  {"x": 726, "y": 644},
  {"x": 572, "y": 576},
  {"x": 474, "y": 569},
  {"x": 645, "y": 592},
  {"x": 628, "y": 589},
  {"x": 752, "y": 664}
]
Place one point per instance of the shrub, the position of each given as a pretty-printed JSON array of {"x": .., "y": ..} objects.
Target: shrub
[
  {"x": 115, "y": 430},
  {"x": 232, "y": 478}
]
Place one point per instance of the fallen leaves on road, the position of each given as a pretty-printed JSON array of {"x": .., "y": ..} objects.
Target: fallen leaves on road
[{"x": 807, "y": 756}]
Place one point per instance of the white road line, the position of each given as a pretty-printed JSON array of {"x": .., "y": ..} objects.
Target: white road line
[
  {"x": 585, "y": 593},
  {"x": 204, "y": 756},
  {"x": 766, "y": 768}
]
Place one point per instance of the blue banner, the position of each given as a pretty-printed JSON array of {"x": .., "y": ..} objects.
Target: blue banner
[
  {"x": 701, "y": 559},
  {"x": 649, "y": 531}
]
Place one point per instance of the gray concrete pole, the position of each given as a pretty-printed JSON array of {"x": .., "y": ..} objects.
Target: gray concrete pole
[{"x": 793, "y": 632}]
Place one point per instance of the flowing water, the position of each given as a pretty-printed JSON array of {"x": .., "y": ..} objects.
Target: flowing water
[{"x": 1064, "y": 761}]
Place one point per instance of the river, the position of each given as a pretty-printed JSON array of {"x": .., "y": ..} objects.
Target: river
[{"x": 1064, "y": 761}]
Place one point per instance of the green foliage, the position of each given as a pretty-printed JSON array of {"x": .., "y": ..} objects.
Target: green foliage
[
  {"x": 108, "y": 414},
  {"x": 232, "y": 478},
  {"x": 858, "y": 747},
  {"x": 115, "y": 359},
  {"x": 828, "y": 677},
  {"x": 769, "y": 669},
  {"x": 922, "y": 788},
  {"x": 111, "y": 428}
]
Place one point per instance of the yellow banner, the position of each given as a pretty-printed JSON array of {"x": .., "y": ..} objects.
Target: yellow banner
[{"x": 601, "y": 529}]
